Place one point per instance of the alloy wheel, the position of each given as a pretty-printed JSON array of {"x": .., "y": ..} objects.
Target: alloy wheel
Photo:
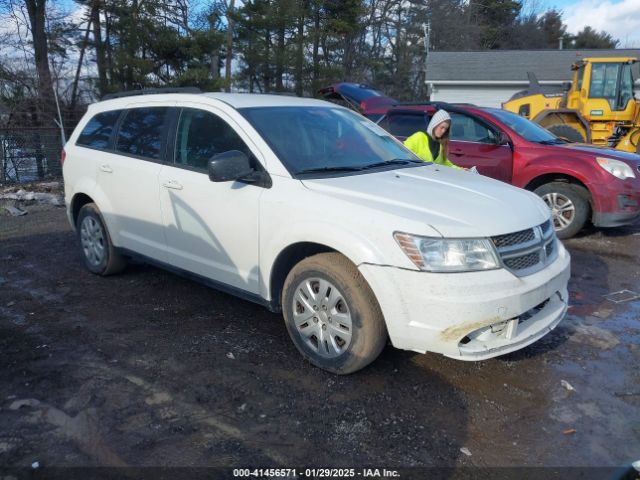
[{"x": 562, "y": 209}]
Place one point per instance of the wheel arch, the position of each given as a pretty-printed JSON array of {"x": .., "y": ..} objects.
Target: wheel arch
[
  {"x": 566, "y": 115},
  {"x": 78, "y": 201},
  {"x": 562, "y": 178},
  {"x": 553, "y": 177},
  {"x": 285, "y": 261}
]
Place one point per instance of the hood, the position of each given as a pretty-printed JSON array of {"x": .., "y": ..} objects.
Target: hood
[
  {"x": 456, "y": 203},
  {"x": 601, "y": 151}
]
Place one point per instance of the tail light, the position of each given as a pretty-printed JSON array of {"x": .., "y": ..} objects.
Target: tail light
[{"x": 63, "y": 155}]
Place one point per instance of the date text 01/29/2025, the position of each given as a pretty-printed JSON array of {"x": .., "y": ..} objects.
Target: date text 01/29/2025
[{"x": 315, "y": 473}]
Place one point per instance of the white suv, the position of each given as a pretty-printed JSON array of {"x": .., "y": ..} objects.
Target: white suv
[{"x": 310, "y": 209}]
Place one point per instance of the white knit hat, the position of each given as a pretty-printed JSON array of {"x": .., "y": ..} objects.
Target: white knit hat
[{"x": 438, "y": 117}]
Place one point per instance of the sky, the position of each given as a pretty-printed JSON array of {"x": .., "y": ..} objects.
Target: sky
[{"x": 619, "y": 18}]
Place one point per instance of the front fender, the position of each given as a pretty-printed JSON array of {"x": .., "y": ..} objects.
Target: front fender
[
  {"x": 584, "y": 172},
  {"x": 373, "y": 248}
]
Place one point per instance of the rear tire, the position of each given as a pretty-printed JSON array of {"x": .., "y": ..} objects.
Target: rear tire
[
  {"x": 569, "y": 205},
  {"x": 97, "y": 250},
  {"x": 567, "y": 132},
  {"x": 332, "y": 315}
]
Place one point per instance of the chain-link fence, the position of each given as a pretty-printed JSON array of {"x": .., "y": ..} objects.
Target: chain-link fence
[{"x": 29, "y": 154}]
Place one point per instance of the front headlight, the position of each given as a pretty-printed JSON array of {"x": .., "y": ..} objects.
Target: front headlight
[
  {"x": 448, "y": 255},
  {"x": 616, "y": 168}
]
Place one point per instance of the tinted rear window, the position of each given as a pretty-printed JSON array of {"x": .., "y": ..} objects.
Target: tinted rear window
[
  {"x": 97, "y": 133},
  {"x": 406, "y": 125},
  {"x": 141, "y": 132}
]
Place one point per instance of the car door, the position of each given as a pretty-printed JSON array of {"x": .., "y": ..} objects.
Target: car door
[
  {"x": 128, "y": 178},
  {"x": 475, "y": 143},
  {"x": 211, "y": 227}
]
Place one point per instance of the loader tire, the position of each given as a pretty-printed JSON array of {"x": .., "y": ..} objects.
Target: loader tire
[{"x": 566, "y": 132}]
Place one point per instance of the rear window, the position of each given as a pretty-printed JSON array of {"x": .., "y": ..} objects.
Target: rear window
[
  {"x": 97, "y": 133},
  {"x": 405, "y": 125},
  {"x": 141, "y": 132}
]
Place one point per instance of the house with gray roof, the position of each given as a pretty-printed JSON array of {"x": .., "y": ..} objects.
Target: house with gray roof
[{"x": 490, "y": 77}]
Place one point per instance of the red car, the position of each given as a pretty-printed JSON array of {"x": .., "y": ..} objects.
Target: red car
[
  {"x": 369, "y": 102},
  {"x": 578, "y": 182}
]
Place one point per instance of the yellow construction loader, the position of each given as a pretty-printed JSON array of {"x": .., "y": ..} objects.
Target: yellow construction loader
[{"x": 597, "y": 107}]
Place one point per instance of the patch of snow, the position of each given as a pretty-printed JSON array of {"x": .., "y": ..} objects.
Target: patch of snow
[{"x": 40, "y": 197}]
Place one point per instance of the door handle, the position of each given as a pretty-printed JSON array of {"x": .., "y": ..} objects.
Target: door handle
[
  {"x": 459, "y": 153},
  {"x": 106, "y": 168},
  {"x": 172, "y": 184}
]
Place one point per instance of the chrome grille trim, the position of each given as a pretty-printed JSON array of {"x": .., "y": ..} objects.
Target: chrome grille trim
[{"x": 527, "y": 251}]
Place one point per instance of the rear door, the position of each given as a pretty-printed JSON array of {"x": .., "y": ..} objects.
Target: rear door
[
  {"x": 475, "y": 143},
  {"x": 128, "y": 177}
]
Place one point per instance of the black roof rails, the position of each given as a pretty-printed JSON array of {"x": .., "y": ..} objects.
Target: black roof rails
[{"x": 151, "y": 91}]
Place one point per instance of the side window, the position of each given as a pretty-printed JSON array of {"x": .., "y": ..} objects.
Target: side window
[
  {"x": 626, "y": 87},
  {"x": 141, "y": 132},
  {"x": 406, "y": 125},
  {"x": 580, "y": 78},
  {"x": 97, "y": 133},
  {"x": 201, "y": 135},
  {"x": 467, "y": 129},
  {"x": 604, "y": 80}
]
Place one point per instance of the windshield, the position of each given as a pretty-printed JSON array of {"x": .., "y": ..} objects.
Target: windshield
[
  {"x": 525, "y": 128},
  {"x": 324, "y": 139}
]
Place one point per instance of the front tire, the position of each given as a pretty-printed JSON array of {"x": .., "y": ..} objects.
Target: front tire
[
  {"x": 332, "y": 315},
  {"x": 97, "y": 250},
  {"x": 569, "y": 205}
]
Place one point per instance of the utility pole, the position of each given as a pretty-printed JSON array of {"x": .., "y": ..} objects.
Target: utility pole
[{"x": 426, "y": 28}]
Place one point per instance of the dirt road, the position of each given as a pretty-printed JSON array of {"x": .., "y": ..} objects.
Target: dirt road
[{"x": 149, "y": 369}]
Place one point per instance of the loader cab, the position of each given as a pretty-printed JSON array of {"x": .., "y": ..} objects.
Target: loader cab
[{"x": 603, "y": 88}]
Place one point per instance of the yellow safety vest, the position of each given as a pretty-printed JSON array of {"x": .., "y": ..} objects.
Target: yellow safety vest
[{"x": 418, "y": 143}]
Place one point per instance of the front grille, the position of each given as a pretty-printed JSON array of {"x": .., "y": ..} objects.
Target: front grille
[
  {"x": 510, "y": 239},
  {"x": 523, "y": 261},
  {"x": 527, "y": 251}
]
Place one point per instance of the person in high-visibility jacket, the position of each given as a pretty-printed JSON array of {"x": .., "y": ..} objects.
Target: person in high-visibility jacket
[{"x": 432, "y": 146}]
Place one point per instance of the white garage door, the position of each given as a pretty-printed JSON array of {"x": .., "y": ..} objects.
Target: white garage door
[{"x": 481, "y": 96}]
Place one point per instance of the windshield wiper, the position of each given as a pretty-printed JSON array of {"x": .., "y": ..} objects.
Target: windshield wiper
[
  {"x": 356, "y": 168},
  {"x": 395, "y": 161},
  {"x": 329, "y": 169}
]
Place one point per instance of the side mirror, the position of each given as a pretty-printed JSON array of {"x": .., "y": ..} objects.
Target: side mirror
[
  {"x": 503, "y": 139},
  {"x": 229, "y": 166},
  {"x": 235, "y": 166}
]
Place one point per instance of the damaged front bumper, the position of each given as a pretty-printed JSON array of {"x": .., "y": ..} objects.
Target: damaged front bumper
[{"x": 470, "y": 316}]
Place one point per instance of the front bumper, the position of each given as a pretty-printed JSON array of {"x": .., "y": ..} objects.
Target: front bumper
[
  {"x": 470, "y": 316},
  {"x": 617, "y": 203}
]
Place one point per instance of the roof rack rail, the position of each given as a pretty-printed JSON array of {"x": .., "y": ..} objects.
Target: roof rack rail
[{"x": 151, "y": 91}]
